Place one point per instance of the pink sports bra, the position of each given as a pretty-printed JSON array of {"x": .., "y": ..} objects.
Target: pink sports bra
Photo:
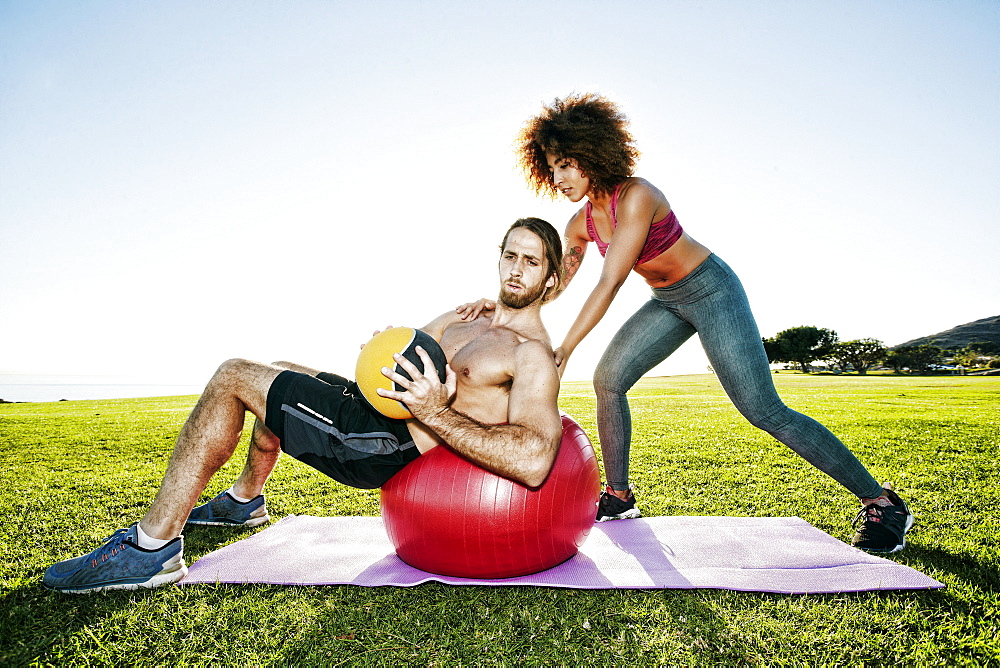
[{"x": 662, "y": 234}]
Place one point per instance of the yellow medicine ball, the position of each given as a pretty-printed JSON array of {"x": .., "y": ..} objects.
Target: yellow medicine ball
[{"x": 378, "y": 353}]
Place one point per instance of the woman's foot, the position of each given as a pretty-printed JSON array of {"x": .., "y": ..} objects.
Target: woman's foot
[
  {"x": 613, "y": 507},
  {"x": 883, "y": 524}
]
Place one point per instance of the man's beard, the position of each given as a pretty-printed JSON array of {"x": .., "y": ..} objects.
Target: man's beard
[{"x": 518, "y": 300}]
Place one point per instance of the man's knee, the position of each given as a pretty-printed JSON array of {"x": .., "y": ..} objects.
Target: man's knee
[
  {"x": 232, "y": 370},
  {"x": 238, "y": 375},
  {"x": 244, "y": 380}
]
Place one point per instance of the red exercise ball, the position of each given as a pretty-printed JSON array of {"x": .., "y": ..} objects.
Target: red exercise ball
[{"x": 448, "y": 516}]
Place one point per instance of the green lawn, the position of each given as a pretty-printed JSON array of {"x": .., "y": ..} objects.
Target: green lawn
[{"x": 73, "y": 472}]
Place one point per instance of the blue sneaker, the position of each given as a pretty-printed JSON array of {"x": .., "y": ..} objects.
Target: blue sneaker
[
  {"x": 224, "y": 510},
  {"x": 119, "y": 564}
]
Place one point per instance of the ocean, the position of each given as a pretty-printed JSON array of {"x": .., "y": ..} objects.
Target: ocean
[{"x": 24, "y": 387}]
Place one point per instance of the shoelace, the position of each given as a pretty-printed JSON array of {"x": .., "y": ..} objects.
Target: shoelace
[
  {"x": 884, "y": 516},
  {"x": 868, "y": 514},
  {"x": 111, "y": 546}
]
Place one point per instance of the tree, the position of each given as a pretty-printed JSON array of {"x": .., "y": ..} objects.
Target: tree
[
  {"x": 862, "y": 354},
  {"x": 834, "y": 361},
  {"x": 800, "y": 345},
  {"x": 917, "y": 359},
  {"x": 923, "y": 357},
  {"x": 899, "y": 359},
  {"x": 772, "y": 349},
  {"x": 984, "y": 347},
  {"x": 968, "y": 357}
]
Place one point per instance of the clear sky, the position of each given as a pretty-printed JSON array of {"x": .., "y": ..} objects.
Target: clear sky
[{"x": 184, "y": 182}]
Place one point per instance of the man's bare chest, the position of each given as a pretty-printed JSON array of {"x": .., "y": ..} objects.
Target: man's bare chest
[{"x": 481, "y": 357}]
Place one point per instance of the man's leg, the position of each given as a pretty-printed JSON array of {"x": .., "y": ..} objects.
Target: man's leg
[
  {"x": 243, "y": 504},
  {"x": 265, "y": 448},
  {"x": 205, "y": 443},
  {"x": 292, "y": 366}
]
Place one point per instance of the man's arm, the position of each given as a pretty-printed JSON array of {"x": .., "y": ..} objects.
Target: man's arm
[
  {"x": 525, "y": 448},
  {"x": 435, "y": 328}
]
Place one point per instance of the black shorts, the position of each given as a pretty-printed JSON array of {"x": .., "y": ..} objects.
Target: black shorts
[{"x": 324, "y": 422}]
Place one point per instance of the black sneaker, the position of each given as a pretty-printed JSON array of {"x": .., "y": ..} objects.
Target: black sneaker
[
  {"x": 610, "y": 507},
  {"x": 883, "y": 528}
]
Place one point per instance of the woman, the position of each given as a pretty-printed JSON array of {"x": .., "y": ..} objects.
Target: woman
[{"x": 580, "y": 147}]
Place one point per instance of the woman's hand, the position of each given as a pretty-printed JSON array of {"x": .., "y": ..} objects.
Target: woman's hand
[
  {"x": 559, "y": 355},
  {"x": 472, "y": 310}
]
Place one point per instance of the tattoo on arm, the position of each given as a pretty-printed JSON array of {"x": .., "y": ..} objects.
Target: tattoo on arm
[{"x": 571, "y": 260}]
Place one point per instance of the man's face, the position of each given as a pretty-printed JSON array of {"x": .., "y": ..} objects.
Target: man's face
[{"x": 524, "y": 273}]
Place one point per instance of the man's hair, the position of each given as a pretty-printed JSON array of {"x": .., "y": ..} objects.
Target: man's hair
[
  {"x": 553, "y": 248},
  {"x": 588, "y": 128}
]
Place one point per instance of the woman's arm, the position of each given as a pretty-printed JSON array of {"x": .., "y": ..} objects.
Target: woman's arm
[
  {"x": 637, "y": 204},
  {"x": 575, "y": 247}
]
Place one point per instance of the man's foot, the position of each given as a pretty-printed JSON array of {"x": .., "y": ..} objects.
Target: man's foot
[
  {"x": 119, "y": 564},
  {"x": 610, "y": 507},
  {"x": 883, "y": 527},
  {"x": 224, "y": 510}
]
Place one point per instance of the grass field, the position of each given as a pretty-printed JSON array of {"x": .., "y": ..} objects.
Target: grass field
[{"x": 73, "y": 472}]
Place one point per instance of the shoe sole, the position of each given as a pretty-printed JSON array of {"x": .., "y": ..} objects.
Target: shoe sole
[
  {"x": 630, "y": 514},
  {"x": 252, "y": 522},
  {"x": 906, "y": 528},
  {"x": 158, "y": 580}
]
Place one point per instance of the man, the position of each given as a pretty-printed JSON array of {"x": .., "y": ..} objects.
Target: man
[{"x": 497, "y": 407}]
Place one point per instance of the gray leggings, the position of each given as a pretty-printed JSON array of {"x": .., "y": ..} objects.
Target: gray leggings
[{"x": 711, "y": 301}]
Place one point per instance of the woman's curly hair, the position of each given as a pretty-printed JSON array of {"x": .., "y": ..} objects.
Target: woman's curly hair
[{"x": 588, "y": 128}]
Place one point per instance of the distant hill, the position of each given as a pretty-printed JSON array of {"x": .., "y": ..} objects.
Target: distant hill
[{"x": 987, "y": 329}]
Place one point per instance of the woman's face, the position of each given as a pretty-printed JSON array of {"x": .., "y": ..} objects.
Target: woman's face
[{"x": 567, "y": 177}]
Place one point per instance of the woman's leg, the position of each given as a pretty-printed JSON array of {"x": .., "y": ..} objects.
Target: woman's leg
[
  {"x": 732, "y": 342},
  {"x": 645, "y": 340}
]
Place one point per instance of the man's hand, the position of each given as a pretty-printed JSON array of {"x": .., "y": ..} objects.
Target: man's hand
[
  {"x": 376, "y": 333},
  {"x": 472, "y": 310},
  {"x": 425, "y": 395}
]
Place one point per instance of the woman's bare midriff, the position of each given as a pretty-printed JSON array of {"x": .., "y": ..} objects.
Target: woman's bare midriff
[{"x": 674, "y": 263}]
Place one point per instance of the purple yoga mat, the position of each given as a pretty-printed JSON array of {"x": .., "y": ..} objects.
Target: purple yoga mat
[{"x": 783, "y": 555}]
